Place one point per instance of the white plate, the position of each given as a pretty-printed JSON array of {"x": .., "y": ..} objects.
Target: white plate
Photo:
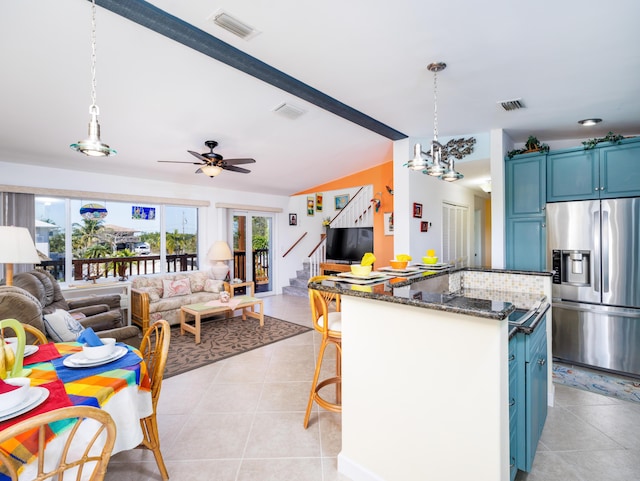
[
  {"x": 79, "y": 360},
  {"x": 406, "y": 270},
  {"x": 30, "y": 349},
  {"x": 434, "y": 266},
  {"x": 36, "y": 396},
  {"x": 371, "y": 276}
]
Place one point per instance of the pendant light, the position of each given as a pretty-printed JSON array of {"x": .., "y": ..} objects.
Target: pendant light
[
  {"x": 92, "y": 145},
  {"x": 440, "y": 164}
]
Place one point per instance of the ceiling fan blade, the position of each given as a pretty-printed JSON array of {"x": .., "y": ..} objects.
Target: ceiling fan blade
[
  {"x": 235, "y": 169},
  {"x": 179, "y": 162},
  {"x": 239, "y": 161},
  {"x": 199, "y": 156},
  {"x": 199, "y": 171}
]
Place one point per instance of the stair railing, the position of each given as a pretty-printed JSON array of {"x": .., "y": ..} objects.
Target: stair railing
[
  {"x": 357, "y": 213},
  {"x": 295, "y": 244}
]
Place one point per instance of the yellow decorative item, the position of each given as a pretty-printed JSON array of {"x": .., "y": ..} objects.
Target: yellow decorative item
[
  {"x": 430, "y": 260},
  {"x": 403, "y": 257},
  {"x": 16, "y": 369},
  {"x": 360, "y": 270},
  {"x": 368, "y": 259},
  {"x": 431, "y": 253}
]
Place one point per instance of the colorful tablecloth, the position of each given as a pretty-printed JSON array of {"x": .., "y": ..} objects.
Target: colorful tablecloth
[{"x": 120, "y": 388}]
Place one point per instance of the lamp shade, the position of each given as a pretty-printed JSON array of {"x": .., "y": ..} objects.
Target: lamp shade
[
  {"x": 220, "y": 251},
  {"x": 16, "y": 247}
]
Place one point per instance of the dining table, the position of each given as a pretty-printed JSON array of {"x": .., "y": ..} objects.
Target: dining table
[{"x": 120, "y": 386}]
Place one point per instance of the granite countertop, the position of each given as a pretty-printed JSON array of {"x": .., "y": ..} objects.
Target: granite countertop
[{"x": 484, "y": 303}]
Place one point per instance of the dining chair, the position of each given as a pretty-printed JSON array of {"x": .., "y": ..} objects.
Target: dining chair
[
  {"x": 87, "y": 447},
  {"x": 329, "y": 324},
  {"x": 38, "y": 335},
  {"x": 328, "y": 296},
  {"x": 155, "y": 349}
]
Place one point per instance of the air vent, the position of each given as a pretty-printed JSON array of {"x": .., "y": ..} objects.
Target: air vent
[
  {"x": 289, "y": 111},
  {"x": 509, "y": 105},
  {"x": 233, "y": 25}
]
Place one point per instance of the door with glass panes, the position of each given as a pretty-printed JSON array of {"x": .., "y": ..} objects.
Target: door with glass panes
[{"x": 252, "y": 249}]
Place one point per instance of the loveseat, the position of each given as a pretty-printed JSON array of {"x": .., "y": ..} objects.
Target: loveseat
[{"x": 160, "y": 296}]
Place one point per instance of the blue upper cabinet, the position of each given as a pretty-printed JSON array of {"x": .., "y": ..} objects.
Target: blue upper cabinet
[
  {"x": 620, "y": 170},
  {"x": 603, "y": 172},
  {"x": 525, "y": 219},
  {"x": 572, "y": 175}
]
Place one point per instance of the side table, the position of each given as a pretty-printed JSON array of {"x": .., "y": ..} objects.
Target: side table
[{"x": 250, "y": 284}]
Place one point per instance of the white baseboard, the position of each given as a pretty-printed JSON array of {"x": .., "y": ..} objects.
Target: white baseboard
[{"x": 354, "y": 471}]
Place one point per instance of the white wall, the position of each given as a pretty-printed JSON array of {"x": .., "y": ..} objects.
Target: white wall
[{"x": 212, "y": 220}]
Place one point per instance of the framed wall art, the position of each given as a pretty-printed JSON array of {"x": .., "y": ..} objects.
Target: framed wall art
[
  {"x": 388, "y": 223},
  {"x": 424, "y": 227},
  {"x": 293, "y": 219},
  {"x": 310, "y": 205},
  {"x": 341, "y": 201},
  {"x": 319, "y": 202},
  {"x": 417, "y": 210}
]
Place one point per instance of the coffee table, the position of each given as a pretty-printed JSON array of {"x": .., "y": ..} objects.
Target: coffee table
[{"x": 198, "y": 311}]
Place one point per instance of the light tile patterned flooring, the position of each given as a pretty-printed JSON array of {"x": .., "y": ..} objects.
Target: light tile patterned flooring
[{"x": 240, "y": 419}]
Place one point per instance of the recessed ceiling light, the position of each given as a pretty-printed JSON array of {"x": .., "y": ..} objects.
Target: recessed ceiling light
[{"x": 589, "y": 122}]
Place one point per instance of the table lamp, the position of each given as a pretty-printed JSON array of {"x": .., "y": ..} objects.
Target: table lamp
[
  {"x": 219, "y": 253},
  {"x": 16, "y": 247}
]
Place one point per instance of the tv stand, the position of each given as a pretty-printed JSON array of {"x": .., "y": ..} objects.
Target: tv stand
[{"x": 331, "y": 267}]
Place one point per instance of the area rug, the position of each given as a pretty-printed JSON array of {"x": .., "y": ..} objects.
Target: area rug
[
  {"x": 223, "y": 338},
  {"x": 625, "y": 388}
]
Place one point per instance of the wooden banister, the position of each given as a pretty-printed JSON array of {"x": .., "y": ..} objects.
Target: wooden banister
[
  {"x": 294, "y": 244},
  {"x": 317, "y": 245}
]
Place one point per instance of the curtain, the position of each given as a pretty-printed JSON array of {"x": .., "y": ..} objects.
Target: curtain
[{"x": 18, "y": 210}]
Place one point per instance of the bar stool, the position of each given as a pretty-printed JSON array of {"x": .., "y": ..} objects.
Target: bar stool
[{"x": 329, "y": 324}]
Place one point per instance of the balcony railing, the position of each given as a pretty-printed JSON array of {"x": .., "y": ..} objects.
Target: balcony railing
[{"x": 121, "y": 266}]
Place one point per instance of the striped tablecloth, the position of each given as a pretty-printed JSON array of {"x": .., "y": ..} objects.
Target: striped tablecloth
[{"x": 122, "y": 388}]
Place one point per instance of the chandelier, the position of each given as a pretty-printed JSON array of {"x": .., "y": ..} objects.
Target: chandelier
[
  {"x": 92, "y": 145},
  {"x": 440, "y": 158}
]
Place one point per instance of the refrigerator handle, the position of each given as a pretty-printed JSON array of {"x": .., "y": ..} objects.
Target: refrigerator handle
[
  {"x": 596, "y": 251},
  {"x": 605, "y": 250}
]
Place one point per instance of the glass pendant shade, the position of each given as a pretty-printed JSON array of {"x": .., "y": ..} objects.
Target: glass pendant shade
[
  {"x": 92, "y": 145},
  {"x": 417, "y": 163}
]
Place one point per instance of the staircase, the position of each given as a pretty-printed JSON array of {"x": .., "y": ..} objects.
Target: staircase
[{"x": 298, "y": 285}]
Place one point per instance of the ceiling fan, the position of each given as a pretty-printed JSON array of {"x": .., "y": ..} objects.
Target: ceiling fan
[{"x": 213, "y": 163}]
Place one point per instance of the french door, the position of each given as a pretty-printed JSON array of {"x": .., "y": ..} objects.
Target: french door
[{"x": 252, "y": 248}]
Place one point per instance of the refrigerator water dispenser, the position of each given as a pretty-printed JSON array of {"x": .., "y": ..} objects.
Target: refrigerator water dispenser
[{"x": 572, "y": 267}]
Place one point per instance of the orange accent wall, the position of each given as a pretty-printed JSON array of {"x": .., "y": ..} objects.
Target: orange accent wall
[{"x": 379, "y": 176}]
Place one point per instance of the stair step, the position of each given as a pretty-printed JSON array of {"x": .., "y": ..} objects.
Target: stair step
[
  {"x": 295, "y": 291},
  {"x": 298, "y": 282}
]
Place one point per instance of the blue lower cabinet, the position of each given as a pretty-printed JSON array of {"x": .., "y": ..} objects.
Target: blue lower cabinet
[{"x": 527, "y": 395}]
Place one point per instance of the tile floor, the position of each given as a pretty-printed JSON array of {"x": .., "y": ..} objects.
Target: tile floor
[{"x": 240, "y": 419}]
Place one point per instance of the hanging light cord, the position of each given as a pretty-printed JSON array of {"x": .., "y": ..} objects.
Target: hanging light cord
[
  {"x": 435, "y": 105},
  {"x": 94, "y": 107}
]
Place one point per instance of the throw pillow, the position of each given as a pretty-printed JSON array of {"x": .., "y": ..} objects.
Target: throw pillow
[
  {"x": 180, "y": 287},
  {"x": 213, "y": 285},
  {"x": 153, "y": 293},
  {"x": 61, "y": 326}
]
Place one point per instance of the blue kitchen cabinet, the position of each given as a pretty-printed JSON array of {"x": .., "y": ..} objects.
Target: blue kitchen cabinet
[
  {"x": 606, "y": 171},
  {"x": 525, "y": 212},
  {"x": 529, "y": 396}
]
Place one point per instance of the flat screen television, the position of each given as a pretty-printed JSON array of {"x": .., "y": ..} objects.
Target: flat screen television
[{"x": 349, "y": 244}]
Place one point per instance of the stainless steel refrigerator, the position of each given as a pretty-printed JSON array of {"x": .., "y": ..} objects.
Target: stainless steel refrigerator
[{"x": 594, "y": 249}]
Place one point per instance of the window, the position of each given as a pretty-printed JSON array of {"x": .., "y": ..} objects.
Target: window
[{"x": 114, "y": 238}]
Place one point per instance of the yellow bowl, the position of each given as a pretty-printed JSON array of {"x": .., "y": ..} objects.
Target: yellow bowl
[
  {"x": 360, "y": 270},
  {"x": 398, "y": 264},
  {"x": 430, "y": 260}
]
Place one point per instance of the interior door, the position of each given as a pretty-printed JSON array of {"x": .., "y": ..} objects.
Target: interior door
[{"x": 252, "y": 249}]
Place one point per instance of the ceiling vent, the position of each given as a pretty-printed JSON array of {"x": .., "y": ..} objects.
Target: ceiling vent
[
  {"x": 233, "y": 25},
  {"x": 510, "y": 105},
  {"x": 289, "y": 111}
]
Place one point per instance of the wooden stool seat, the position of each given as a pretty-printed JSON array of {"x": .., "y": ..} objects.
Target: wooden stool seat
[{"x": 330, "y": 325}]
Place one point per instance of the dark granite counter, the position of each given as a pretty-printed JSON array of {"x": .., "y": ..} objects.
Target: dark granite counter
[{"x": 409, "y": 289}]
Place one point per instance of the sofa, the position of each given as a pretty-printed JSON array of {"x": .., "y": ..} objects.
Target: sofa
[
  {"x": 160, "y": 296},
  {"x": 36, "y": 296}
]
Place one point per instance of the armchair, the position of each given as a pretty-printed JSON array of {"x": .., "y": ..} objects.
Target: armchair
[{"x": 102, "y": 313}]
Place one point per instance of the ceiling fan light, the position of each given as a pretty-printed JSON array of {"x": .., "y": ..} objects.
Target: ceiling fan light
[{"x": 211, "y": 170}]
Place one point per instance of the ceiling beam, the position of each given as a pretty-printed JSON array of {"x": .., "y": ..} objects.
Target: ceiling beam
[{"x": 150, "y": 16}]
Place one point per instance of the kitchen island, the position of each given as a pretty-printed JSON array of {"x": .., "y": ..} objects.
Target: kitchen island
[{"x": 425, "y": 374}]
